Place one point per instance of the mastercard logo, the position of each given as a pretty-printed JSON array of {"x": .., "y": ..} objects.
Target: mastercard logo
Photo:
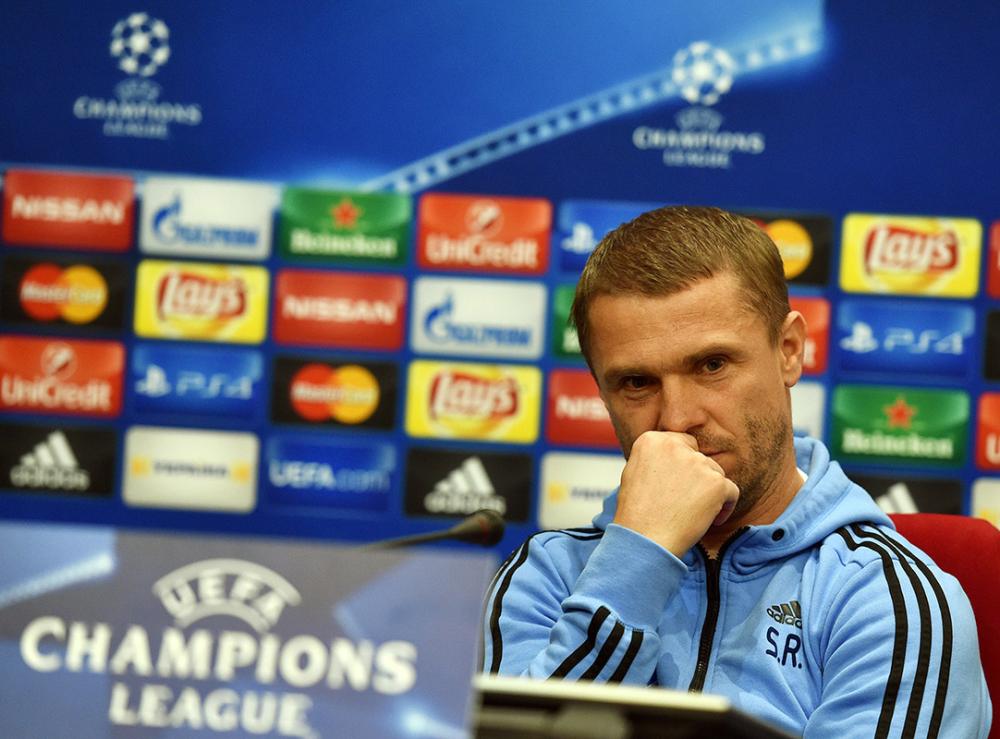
[
  {"x": 77, "y": 294},
  {"x": 794, "y": 244},
  {"x": 348, "y": 394}
]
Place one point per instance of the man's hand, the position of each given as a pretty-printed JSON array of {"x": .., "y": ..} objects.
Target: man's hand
[{"x": 672, "y": 493}]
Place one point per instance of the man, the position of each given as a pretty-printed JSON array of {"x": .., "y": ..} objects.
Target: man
[{"x": 733, "y": 558}]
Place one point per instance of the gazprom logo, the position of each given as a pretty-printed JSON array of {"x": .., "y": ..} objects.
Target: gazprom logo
[
  {"x": 170, "y": 228},
  {"x": 233, "y": 587},
  {"x": 439, "y": 326},
  {"x": 188, "y": 216},
  {"x": 481, "y": 318}
]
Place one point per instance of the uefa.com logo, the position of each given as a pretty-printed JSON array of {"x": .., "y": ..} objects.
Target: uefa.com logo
[{"x": 139, "y": 45}]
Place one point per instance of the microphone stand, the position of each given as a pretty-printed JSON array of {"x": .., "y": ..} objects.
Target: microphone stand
[{"x": 484, "y": 527}]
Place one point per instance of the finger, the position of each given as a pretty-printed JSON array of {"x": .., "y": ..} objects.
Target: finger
[
  {"x": 687, "y": 439},
  {"x": 723, "y": 515},
  {"x": 732, "y": 495},
  {"x": 714, "y": 465}
]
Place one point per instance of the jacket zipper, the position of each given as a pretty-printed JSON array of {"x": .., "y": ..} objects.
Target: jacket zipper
[{"x": 712, "y": 567}]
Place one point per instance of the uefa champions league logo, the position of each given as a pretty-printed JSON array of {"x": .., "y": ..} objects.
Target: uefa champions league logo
[
  {"x": 140, "y": 44},
  {"x": 703, "y": 73}
]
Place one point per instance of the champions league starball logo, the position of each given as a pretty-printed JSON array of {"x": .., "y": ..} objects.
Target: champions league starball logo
[
  {"x": 140, "y": 44},
  {"x": 703, "y": 73}
]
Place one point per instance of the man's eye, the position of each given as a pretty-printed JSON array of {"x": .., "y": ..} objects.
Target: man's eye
[
  {"x": 635, "y": 383},
  {"x": 714, "y": 364}
]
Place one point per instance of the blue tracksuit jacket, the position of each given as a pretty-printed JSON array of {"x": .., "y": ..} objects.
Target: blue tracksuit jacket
[{"x": 826, "y": 622}]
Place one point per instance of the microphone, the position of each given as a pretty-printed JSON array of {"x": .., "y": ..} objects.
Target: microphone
[{"x": 484, "y": 527}]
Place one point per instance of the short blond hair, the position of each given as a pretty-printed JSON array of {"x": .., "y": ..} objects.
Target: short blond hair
[{"x": 667, "y": 250}]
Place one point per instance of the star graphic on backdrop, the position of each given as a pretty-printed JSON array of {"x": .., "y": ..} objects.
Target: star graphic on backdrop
[
  {"x": 345, "y": 214},
  {"x": 899, "y": 414}
]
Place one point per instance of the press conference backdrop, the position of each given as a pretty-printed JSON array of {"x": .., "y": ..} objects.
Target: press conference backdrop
[{"x": 305, "y": 270}]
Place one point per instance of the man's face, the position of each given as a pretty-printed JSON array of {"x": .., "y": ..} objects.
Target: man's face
[{"x": 700, "y": 362}]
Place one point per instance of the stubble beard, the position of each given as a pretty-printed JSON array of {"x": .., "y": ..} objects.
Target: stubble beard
[{"x": 757, "y": 474}]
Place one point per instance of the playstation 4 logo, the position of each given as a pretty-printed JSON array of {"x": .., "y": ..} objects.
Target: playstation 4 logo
[
  {"x": 200, "y": 384},
  {"x": 581, "y": 240},
  {"x": 197, "y": 381},
  {"x": 900, "y": 336},
  {"x": 154, "y": 384},
  {"x": 862, "y": 340}
]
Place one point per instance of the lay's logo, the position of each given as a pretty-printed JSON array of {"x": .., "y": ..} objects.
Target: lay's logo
[
  {"x": 910, "y": 255},
  {"x": 183, "y": 294},
  {"x": 473, "y": 401},
  {"x": 897, "y": 249},
  {"x": 471, "y": 396},
  {"x": 202, "y": 302}
]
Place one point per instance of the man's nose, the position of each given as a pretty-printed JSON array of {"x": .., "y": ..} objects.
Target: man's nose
[{"x": 681, "y": 409}]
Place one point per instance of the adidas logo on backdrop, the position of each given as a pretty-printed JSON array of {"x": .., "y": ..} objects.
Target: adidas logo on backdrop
[
  {"x": 897, "y": 499},
  {"x": 51, "y": 464},
  {"x": 465, "y": 490}
]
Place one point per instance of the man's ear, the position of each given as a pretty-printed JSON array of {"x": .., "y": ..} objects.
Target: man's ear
[{"x": 792, "y": 345}]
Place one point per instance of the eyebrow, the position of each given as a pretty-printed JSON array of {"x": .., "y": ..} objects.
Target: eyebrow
[{"x": 615, "y": 374}]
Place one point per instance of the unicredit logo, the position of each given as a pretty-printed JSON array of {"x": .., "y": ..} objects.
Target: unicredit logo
[
  {"x": 61, "y": 377},
  {"x": 484, "y": 234}
]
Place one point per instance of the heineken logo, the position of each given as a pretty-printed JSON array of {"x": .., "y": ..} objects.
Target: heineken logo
[
  {"x": 345, "y": 214},
  {"x": 887, "y": 424},
  {"x": 856, "y": 441},
  {"x": 565, "y": 340},
  {"x": 900, "y": 414},
  {"x": 335, "y": 226}
]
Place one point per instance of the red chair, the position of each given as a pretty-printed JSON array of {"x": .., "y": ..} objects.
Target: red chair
[{"x": 969, "y": 549}]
